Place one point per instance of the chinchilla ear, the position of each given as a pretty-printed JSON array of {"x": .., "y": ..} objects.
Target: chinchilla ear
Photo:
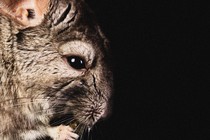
[
  {"x": 62, "y": 12},
  {"x": 26, "y": 12}
]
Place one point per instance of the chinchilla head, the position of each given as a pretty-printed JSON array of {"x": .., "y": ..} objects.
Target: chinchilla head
[{"x": 57, "y": 71}]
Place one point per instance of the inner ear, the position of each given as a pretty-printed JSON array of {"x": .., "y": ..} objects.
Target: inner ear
[
  {"x": 26, "y": 12},
  {"x": 31, "y": 12}
]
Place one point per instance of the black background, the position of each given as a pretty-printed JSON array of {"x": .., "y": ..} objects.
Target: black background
[{"x": 161, "y": 69}]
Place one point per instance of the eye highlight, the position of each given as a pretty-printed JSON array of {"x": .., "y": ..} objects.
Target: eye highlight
[{"x": 76, "y": 62}]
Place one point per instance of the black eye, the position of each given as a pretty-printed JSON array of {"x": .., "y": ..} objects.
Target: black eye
[{"x": 76, "y": 62}]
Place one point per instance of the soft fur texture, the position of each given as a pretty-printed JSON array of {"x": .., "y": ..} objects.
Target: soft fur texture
[{"x": 39, "y": 90}]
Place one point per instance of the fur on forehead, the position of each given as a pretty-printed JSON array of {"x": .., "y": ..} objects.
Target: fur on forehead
[{"x": 73, "y": 20}]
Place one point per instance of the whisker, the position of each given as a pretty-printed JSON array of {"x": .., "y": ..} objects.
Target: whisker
[
  {"x": 23, "y": 101},
  {"x": 88, "y": 132},
  {"x": 97, "y": 129},
  {"x": 77, "y": 128},
  {"x": 19, "y": 105},
  {"x": 81, "y": 135},
  {"x": 82, "y": 131},
  {"x": 23, "y": 98},
  {"x": 62, "y": 120}
]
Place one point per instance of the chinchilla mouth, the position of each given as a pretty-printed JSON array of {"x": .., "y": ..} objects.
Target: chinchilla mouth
[{"x": 74, "y": 124}]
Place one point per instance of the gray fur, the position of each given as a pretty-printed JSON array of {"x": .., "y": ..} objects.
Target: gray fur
[{"x": 36, "y": 84}]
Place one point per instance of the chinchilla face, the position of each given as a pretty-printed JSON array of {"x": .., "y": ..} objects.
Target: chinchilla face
[{"x": 60, "y": 68}]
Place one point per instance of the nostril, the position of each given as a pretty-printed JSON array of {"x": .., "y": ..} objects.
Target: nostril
[{"x": 82, "y": 82}]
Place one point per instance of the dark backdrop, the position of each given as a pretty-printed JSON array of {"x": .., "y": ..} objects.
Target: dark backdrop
[{"x": 161, "y": 69}]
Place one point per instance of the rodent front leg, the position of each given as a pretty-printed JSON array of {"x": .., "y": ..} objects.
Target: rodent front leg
[{"x": 62, "y": 132}]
